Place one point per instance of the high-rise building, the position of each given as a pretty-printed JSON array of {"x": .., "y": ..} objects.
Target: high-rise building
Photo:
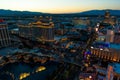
[
  {"x": 42, "y": 30},
  {"x": 4, "y": 35},
  {"x": 110, "y": 36},
  {"x": 25, "y": 31}
]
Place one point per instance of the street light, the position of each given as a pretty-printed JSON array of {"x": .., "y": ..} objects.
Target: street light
[
  {"x": 101, "y": 49},
  {"x": 92, "y": 47},
  {"x": 90, "y": 77}
]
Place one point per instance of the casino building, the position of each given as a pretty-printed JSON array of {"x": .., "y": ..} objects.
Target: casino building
[
  {"x": 111, "y": 53},
  {"x": 41, "y": 30}
]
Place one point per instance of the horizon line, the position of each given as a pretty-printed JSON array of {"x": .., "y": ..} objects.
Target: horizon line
[{"x": 57, "y": 12}]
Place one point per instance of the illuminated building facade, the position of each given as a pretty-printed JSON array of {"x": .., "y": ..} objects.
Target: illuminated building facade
[
  {"x": 25, "y": 31},
  {"x": 107, "y": 54},
  {"x": 42, "y": 30},
  {"x": 4, "y": 35}
]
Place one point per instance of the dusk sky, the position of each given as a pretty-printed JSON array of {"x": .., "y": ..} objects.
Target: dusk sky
[{"x": 59, "y": 6}]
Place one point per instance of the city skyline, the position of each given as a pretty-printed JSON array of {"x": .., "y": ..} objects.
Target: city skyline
[{"x": 61, "y": 6}]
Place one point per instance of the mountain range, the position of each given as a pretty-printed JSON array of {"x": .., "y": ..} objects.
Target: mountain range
[
  {"x": 101, "y": 12},
  {"x": 90, "y": 12},
  {"x": 11, "y": 12}
]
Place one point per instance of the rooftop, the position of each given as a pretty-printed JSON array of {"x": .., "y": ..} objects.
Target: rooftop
[
  {"x": 107, "y": 45},
  {"x": 115, "y": 46}
]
